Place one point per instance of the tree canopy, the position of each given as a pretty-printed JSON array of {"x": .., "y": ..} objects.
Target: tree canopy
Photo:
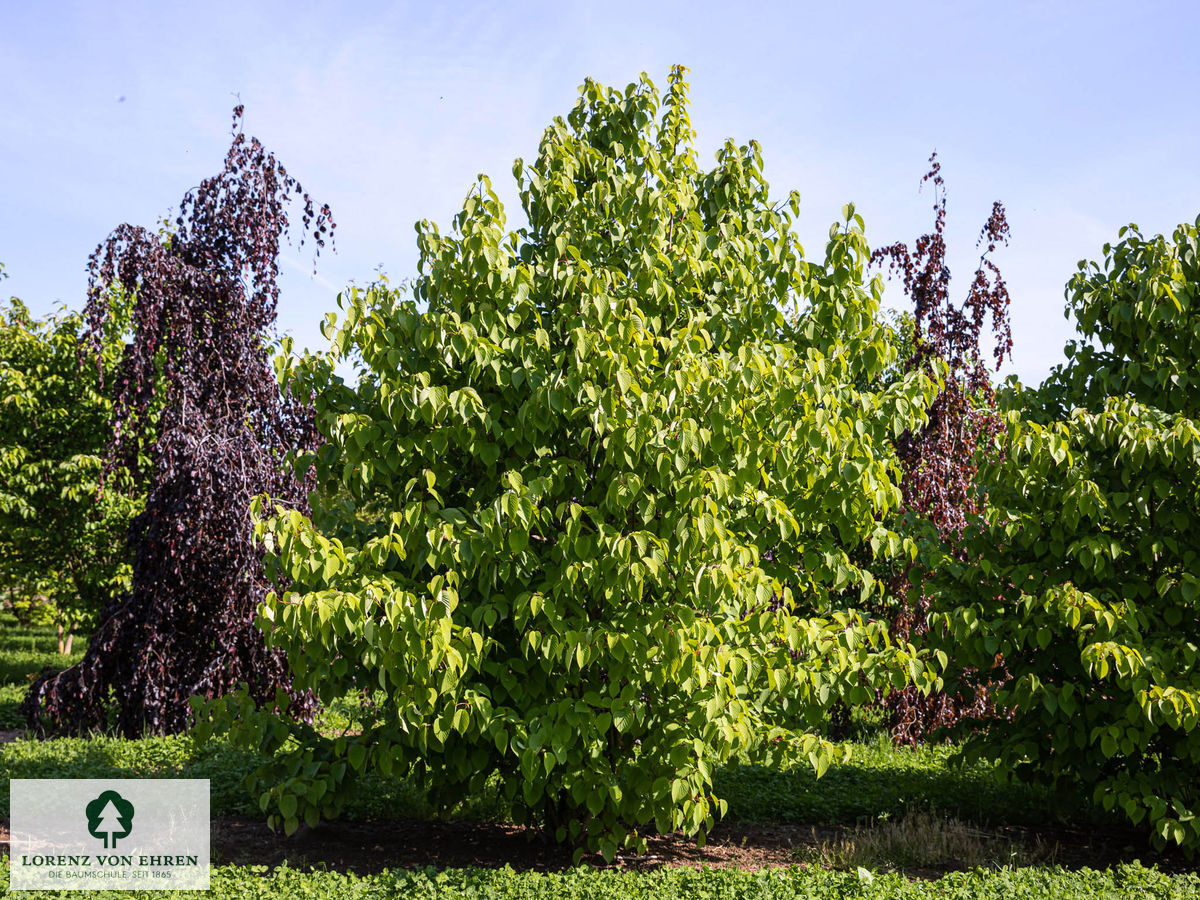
[
  {"x": 62, "y": 520},
  {"x": 1081, "y": 590},
  {"x": 594, "y": 466}
]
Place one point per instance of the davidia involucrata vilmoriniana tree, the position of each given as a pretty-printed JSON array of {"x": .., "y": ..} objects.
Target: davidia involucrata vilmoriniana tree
[{"x": 593, "y": 466}]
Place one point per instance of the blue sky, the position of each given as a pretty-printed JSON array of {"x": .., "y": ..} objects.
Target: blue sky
[{"x": 1080, "y": 117}]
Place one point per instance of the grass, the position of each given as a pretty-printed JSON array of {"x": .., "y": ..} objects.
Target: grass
[
  {"x": 923, "y": 840},
  {"x": 879, "y": 779},
  {"x": 11, "y": 696},
  {"x": 795, "y": 883},
  {"x": 26, "y": 650},
  {"x": 882, "y": 779},
  {"x": 178, "y": 757}
]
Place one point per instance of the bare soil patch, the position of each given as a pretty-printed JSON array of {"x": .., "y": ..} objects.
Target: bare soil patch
[{"x": 372, "y": 845}]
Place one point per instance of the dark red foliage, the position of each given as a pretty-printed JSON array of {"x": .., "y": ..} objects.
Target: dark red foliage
[
  {"x": 939, "y": 463},
  {"x": 197, "y": 385}
]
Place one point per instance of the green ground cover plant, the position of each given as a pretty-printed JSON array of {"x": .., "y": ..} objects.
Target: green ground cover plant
[{"x": 1121, "y": 883}]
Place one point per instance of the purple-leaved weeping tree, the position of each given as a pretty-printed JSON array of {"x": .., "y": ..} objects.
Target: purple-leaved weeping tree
[
  {"x": 197, "y": 399},
  {"x": 940, "y": 462}
]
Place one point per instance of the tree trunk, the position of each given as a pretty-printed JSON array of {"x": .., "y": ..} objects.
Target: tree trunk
[{"x": 66, "y": 637}]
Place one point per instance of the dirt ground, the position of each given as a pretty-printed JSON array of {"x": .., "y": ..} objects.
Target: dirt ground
[{"x": 367, "y": 846}]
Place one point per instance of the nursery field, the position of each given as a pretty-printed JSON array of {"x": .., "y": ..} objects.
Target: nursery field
[
  {"x": 644, "y": 555},
  {"x": 891, "y": 822}
]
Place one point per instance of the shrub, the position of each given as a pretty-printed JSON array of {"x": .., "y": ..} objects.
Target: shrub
[
  {"x": 939, "y": 462},
  {"x": 1082, "y": 593}
]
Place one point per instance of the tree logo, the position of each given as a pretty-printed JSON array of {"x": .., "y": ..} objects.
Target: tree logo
[{"x": 110, "y": 816}]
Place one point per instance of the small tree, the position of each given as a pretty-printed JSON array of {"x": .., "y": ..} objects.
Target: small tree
[
  {"x": 579, "y": 452},
  {"x": 62, "y": 534},
  {"x": 202, "y": 307},
  {"x": 1089, "y": 547},
  {"x": 940, "y": 460}
]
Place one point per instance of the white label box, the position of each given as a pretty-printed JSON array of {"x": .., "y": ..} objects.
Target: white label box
[{"x": 140, "y": 834}]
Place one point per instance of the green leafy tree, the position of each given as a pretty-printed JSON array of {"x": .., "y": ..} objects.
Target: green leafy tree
[
  {"x": 1084, "y": 576},
  {"x": 62, "y": 519},
  {"x": 609, "y": 466}
]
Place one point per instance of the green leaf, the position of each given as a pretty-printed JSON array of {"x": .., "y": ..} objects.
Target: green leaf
[
  {"x": 287, "y": 806},
  {"x": 518, "y": 540}
]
